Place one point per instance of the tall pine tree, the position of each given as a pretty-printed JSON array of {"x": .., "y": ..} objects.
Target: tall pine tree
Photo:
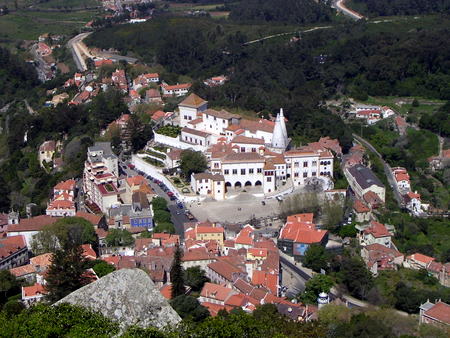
[
  {"x": 66, "y": 272},
  {"x": 177, "y": 274}
]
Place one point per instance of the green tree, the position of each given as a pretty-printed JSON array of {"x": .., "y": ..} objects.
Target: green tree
[
  {"x": 56, "y": 235},
  {"x": 66, "y": 272},
  {"x": 192, "y": 162},
  {"x": 319, "y": 283},
  {"x": 316, "y": 258},
  {"x": 8, "y": 286},
  {"x": 159, "y": 203},
  {"x": 119, "y": 237},
  {"x": 195, "y": 277},
  {"x": 188, "y": 307},
  {"x": 177, "y": 274},
  {"x": 333, "y": 213},
  {"x": 166, "y": 227},
  {"x": 102, "y": 268},
  {"x": 161, "y": 216},
  {"x": 139, "y": 133},
  {"x": 355, "y": 276},
  {"x": 57, "y": 321}
]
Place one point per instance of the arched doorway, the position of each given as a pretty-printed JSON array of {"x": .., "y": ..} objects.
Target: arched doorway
[
  {"x": 258, "y": 183},
  {"x": 227, "y": 186},
  {"x": 238, "y": 185},
  {"x": 248, "y": 184}
]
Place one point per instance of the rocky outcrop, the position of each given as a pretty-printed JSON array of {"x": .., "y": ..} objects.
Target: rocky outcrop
[{"x": 127, "y": 296}]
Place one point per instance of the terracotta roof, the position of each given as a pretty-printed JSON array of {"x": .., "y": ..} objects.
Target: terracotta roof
[
  {"x": 215, "y": 308},
  {"x": 34, "y": 290},
  {"x": 32, "y": 224},
  {"x": 194, "y": 132},
  {"x": 421, "y": 258},
  {"x": 209, "y": 176},
  {"x": 215, "y": 291},
  {"x": 42, "y": 261},
  {"x": 243, "y": 286},
  {"x": 360, "y": 207},
  {"x": 225, "y": 269},
  {"x": 23, "y": 270},
  {"x": 258, "y": 252},
  {"x": 372, "y": 198},
  {"x": 302, "y": 232},
  {"x": 158, "y": 115},
  {"x": 254, "y": 126},
  {"x": 244, "y": 236},
  {"x": 197, "y": 255},
  {"x": 193, "y": 100},
  {"x": 177, "y": 86},
  {"x": 65, "y": 185},
  {"x": 136, "y": 180},
  {"x": 48, "y": 146},
  {"x": 223, "y": 114},
  {"x": 440, "y": 311},
  {"x": 377, "y": 230},
  {"x": 243, "y": 157},
  {"x": 88, "y": 252},
  {"x": 410, "y": 195},
  {"x": 401, "y": 177},
  {"x": 166, "y": 291},
  {"x": 247, "y": 140},
  {"x": 306, "y": 217}
]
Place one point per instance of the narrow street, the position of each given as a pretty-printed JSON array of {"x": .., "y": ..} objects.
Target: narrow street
[{"x": 177, "y": 214}]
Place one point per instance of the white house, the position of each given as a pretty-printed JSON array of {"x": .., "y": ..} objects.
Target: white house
[
  {"x": 175, "y": 90},
  {"x": 210, "y": 185},
  {"x": 374, "y": 233}
]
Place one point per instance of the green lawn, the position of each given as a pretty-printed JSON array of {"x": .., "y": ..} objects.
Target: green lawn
[
  {"x": 26, "y": 25},
  {"x": 403, "y": 105},
  {"x": 69, "y": 4}
]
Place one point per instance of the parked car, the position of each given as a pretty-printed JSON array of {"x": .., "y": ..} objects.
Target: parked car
[
  {"x": 131, "y": 166},
  {"x": 190, "y": 216},
  {"x": 173, "y": 198},
  {"x": 180, "y": 205},
  {"x": 169, "y": 193}
]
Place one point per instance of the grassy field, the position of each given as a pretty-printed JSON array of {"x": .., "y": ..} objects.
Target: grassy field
[
  {"x": 27, "y": 25},
  {"x": 69, "y": 4},
  {"x": 403, "y": 105}
]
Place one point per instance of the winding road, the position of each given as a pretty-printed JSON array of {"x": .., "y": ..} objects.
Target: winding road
[{"x": 340, "y": 6}]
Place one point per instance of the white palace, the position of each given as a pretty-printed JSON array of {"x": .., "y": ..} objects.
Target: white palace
[{"x": 245, "y": 153}]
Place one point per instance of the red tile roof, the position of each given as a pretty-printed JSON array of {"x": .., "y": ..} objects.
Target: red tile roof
[
  {"x": 65, "y": 185},
  {"x": 225, "y": 269},
  {"x": 258, "y": 252},
  {"x": 88, "y": 252},
  {"x": 302, "y": 232},
  {"x": 166, "y": 291},
  {"x": 360, "y": 207},
  {"x": 377, "y": 230},
  {"x": 421, "y": 258},
  {"x": 32, "y": 224},
  {"x": 440, "y": 311},
  {"x": 34, "y": 290},
  {"x": 215, "y": 291}
]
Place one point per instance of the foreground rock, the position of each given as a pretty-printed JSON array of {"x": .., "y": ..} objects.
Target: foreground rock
[{"x": 127, "y": 296}]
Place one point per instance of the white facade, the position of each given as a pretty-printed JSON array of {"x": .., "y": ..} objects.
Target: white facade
[{"x": 206, "y": 184}]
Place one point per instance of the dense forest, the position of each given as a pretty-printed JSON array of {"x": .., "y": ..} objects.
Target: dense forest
[
  {"x": 353, "y": 59},
  {"x": 404, "y": 7},
  {"x": 16, "y": 77},
  {"x": 283, "y": 11}
]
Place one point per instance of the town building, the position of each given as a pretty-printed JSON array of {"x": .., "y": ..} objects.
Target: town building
[
  {"x": 29, "y": 227},
  {"x": 205, "y": 232},
  {"x": 63, "y": 202},
  {"x": 209, "y": 185},
  {"x": 365, "y": 184},
  {"x": 144, "y": 80},
  {"x": 380, "y": 258},
  {"x": 437, "y": 314},
  {"x": 299, "y": 233},
  {"x": 374, "y": 232},
  {"x": 33, "y": 294},
  {"x": 175, "y": 90},
  {"x": 100, "y": 174},
  {"x": 13, "y": 252},
  {"x": 361, "y": 211}
]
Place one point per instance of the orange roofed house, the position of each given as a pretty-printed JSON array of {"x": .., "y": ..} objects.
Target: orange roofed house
[
  {"x": 299, "y": 233},
  {"x": 202, "y": 232}
]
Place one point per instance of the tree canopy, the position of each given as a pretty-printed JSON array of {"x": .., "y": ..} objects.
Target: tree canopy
[
  {"x": 119, "y": 237},
  {"x": 192, "y": 162},
  {"x": 57, "y": 235}
]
